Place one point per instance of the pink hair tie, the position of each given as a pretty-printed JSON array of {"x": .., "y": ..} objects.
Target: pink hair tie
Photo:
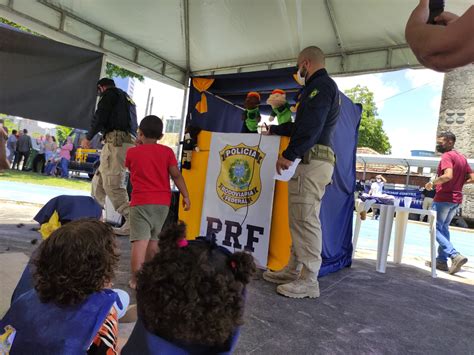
[{"x": 182, "y": 243}]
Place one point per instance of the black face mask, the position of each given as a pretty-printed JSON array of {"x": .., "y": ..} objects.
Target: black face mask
[{"x": 441, "y": 149}]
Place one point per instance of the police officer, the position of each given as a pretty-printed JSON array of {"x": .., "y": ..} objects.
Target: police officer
[
  {"x": 112, "y": 119},
  {"x": 310, "y": 139}
]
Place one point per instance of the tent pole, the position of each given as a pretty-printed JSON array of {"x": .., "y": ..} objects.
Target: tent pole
[
  {"x": 103, "y": 68},
  {"x": 151, "y": 105},
  {"x": 147, "y": 102},
  {"x": 408, "y": 174},
  {"x": 186, "y": 38},
  {"x": 184, "y": 110},
  {"x": 187, "y": 81}
]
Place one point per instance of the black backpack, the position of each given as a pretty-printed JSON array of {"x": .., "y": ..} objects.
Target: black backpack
[{"x": 132, "y": 112}]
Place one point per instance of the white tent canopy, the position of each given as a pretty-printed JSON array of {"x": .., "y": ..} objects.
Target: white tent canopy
[
  {"x": 408, "y": 162},
  {"x": 168, "y": 39},
  {"x": 421, "y": 162}
]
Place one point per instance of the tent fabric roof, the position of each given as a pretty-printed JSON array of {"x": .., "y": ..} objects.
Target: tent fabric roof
[{"x": 228, "y": 36}]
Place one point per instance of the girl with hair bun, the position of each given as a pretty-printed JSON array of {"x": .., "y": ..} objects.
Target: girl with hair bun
[{"x": 190, "y": 297}]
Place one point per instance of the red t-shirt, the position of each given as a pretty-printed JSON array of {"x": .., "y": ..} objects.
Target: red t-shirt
[
  {"x": 451, "y": 191},
  {"x": 148, "y": 165}
]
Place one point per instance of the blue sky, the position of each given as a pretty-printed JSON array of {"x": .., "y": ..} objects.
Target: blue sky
[{"x": 408, "y": 102}]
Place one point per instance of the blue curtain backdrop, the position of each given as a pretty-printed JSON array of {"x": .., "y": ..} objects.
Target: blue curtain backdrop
[{"x": 338, "y": 202}]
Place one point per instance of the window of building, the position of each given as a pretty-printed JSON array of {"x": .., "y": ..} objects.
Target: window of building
[{"x": 173, "y": 125}]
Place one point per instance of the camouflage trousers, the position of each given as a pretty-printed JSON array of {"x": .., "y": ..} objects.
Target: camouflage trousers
[
  {"x": 109, "y": 179},
  {"x": 305, "y": 192}
]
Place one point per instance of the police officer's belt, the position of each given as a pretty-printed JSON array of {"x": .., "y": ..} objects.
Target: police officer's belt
[
  {"x": 118, "y": 138},
  {"x": 320, "y": 152}
]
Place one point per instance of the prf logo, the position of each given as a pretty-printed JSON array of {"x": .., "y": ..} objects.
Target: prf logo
[{"x": 236, "y": 185}]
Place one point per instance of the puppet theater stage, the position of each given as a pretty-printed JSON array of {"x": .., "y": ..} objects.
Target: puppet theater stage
[{"x": 214, "y": 106}]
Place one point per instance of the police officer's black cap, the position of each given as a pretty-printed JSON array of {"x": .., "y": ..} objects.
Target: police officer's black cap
[{"x": 106, "y": 82}]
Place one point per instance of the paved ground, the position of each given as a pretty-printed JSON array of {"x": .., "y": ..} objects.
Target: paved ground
[
  {"x": 417, "y": 239},
  {"x": 359, "y": 311},
  {"x": 30, "y": 193},
  {"x": 17, "y": 236}
]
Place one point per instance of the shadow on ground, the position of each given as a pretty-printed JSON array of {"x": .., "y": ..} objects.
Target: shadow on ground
[
  {"x": 359, "y": 312},
  {"x": 363, "y": 312}
]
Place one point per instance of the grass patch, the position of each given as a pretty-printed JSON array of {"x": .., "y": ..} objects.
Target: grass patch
[{"x": 38, "y": 179}]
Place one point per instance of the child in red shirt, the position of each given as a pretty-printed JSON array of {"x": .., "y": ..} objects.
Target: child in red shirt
[{"x": 151, "y": 165}]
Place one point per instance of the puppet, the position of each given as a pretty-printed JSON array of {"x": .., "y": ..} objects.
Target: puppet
[
  {"x": 280, "y": 107},
  {"x": 189, "y": 145},
  {"x": 251, "y": 115}
]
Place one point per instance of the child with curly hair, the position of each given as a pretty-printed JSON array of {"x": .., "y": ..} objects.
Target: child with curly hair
[
  {"x": 190, "y": 297},
  {"x": 71, "y": 310},
  {"x": 151, "y": 165}
]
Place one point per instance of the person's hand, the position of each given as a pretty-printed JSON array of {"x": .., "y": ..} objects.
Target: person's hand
[
  {"x": 271, "y": 118},
  {"x": 282, "y": 164},
  {"x": 429, "y": 186},
  {"x": 85, "y": 144},
  {"x": 446, "y": 18},
  {"x": 267, "y": 131},
  {"x": 186, "y": 203}
]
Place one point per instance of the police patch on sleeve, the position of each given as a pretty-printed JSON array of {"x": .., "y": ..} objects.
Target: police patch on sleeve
[{"x": 313, "y": 93}]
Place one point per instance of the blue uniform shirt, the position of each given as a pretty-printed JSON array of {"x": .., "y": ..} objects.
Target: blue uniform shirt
[{"x": 316, "y": 116}]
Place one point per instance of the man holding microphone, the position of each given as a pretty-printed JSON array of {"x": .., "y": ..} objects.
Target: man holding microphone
[{"x": 310, "y": 140}]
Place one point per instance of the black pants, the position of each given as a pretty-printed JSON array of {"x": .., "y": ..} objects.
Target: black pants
[
  {"x": 39, "y": 162},
  {"x": 18, "y": 158}
]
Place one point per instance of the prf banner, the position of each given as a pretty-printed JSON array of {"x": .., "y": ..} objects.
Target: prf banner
[{"x": 238, "y": 197}]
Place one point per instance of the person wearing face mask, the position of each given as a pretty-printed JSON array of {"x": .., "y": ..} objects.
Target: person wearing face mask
[
  {"x": 310, "y": 140},
  {"x": 453, "y": 173},
  {"x": 376, "y": 189},
  {"x": 113, "y": 119}
]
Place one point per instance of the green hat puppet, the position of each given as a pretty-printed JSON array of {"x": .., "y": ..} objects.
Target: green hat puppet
[{"x": 280, "y": 106}]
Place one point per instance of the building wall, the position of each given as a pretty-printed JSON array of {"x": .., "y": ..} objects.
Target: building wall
[{"x": 457, "y": 116}]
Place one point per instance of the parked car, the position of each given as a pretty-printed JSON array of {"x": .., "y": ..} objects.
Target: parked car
[{"x": 85, "y": 160}]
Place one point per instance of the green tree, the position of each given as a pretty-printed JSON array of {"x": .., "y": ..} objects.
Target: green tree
[
  {"x": 371, "y": 132},
  {"x": 62, "y": 132},
  {"x": 8, "y": 123},
  {"x": 14, "y": 24},
  {"x": 112, "y": 70}
]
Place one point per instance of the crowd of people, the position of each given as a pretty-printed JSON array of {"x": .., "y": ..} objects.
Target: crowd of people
[{"x": 43, "y": 155}]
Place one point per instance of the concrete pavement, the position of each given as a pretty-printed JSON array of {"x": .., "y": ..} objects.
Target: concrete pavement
[{"x": 359, "y": 311}]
